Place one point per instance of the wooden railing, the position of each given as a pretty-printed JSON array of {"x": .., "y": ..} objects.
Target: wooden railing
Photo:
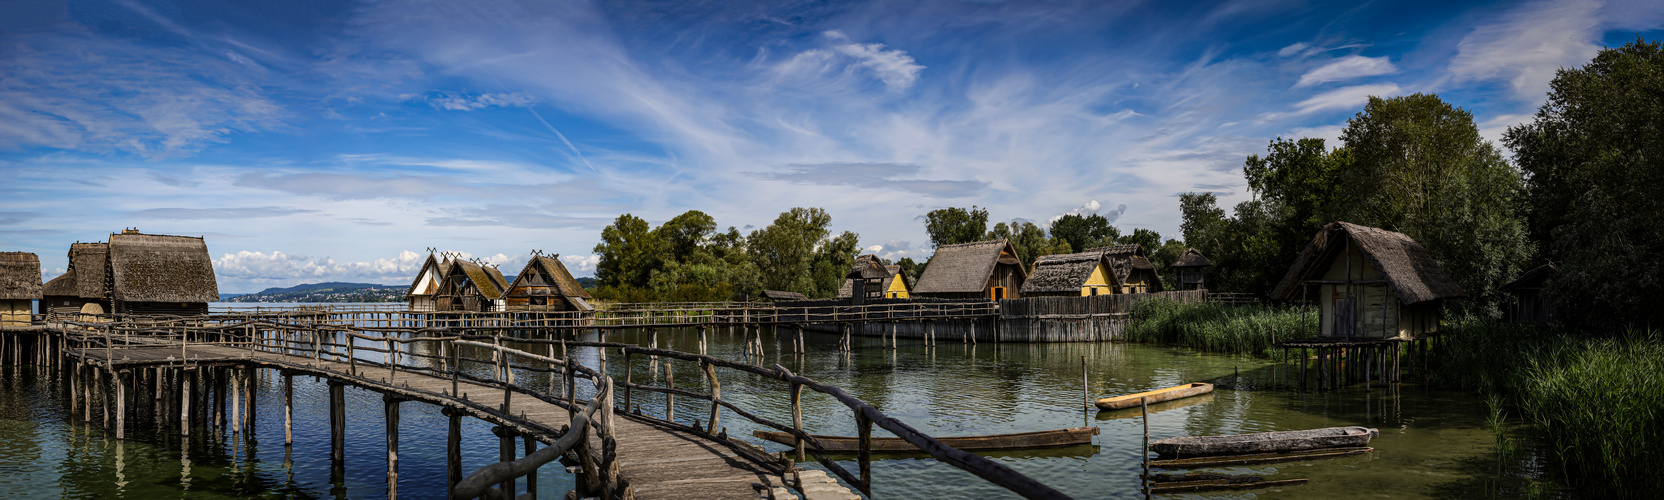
[{"x": 322, "y": 341}]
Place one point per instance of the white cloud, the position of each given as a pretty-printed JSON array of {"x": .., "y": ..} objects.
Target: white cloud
[
  {"x": 1089, "y": 208},
  {"x": 1345, "y": 97},
  {"x": 1347, "y": 68},
  {"x": 894, "y": 67},
  {"x": 254, "y": 271},
  {"x": 1293, "y": 49},
  {"x": 471, "y": 102},
  {"x": 1526, "y": 45},
  {"x": 581, "y": 264}
]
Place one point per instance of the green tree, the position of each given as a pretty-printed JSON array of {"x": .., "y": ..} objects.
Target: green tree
[
  {"x": 1592, "y": 157},
  {"x": 1151, "y": 240},
  {"x": 684, "y": 234},
  {"x": 1420, "y": 167},
  {"x": 628, "y": 252},
  {"x": 912, "y": 268},
  {"x": 1029, "y": 240},
  {"x": 832, "y": 263},
  {"x": 794, "y": 252},
  {"x": 952, "y": 225},
  {"x": 1084, "y": 232}
]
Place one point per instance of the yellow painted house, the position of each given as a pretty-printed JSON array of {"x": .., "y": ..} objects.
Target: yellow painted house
[
  {"x": 1132, "y": 268},
  {"x": 1068, "y": 275},
  {"x": 877, "y": 280}
]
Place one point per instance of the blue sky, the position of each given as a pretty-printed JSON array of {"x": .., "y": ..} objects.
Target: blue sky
[{"x": 316, "y": 141}]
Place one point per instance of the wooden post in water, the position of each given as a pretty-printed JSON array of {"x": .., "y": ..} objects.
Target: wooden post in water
[
  {"x": 797, "y": 419},
  {"x": 505, "y": 453},
  {"x": 185, "y": 378},
  {"x": 288, "y": 408},
  {"x": 390, "y": 411},
  {"x": 1084, "y": 392},
  {"x": 121, "y": 405},
  {"x": 453, "y": 450},
  {"x": 337, "y": 422},
  {"x": 669, "y": 399},
  {"x": 865, "y": 453},
  {"x": 531, "y": 477},
  {"x": 1144, "y": 411}
]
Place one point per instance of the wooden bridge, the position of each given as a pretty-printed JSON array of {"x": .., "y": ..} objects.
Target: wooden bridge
[{"x": 617, "y": 454}]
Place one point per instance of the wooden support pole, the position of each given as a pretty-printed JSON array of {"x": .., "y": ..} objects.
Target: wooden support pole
[
  {"x": 453, "y": 450},
  {"x": 390, "y": 410},
  {"x": 531, "y": 477},
  {"x": 185, "y": 379},
  {"x": 121, "y": 405},
  {"x": 505, "y": 453},
  {"x": 797, "y": 419},
  {"x": 716, "y": 398},
  {"x": 1144, "y": 412},
  {"x": 337, "y": 422},
  {"x": 288, "y": 408},
  {"x": 865, "y": 453},
  {"x": 1084, "y": 392}
]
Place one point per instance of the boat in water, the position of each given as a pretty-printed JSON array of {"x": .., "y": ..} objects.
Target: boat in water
[
  {"x": 1155, "y": 396},
  {"x": 1037, "y": 439},
  {"x": 1264, "y": 442}
]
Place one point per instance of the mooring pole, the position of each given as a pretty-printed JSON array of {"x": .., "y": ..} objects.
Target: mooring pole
[
  {"x": 390, "y": 408},
  {"x": 1144, "y": 411},
  {"x": 288, "y": 408},
  {"x": 337, "y": 422},
  {"x": 453, "y": 451}
]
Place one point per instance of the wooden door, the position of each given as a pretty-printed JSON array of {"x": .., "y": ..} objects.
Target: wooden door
[{"x": 1345, "y": 324}]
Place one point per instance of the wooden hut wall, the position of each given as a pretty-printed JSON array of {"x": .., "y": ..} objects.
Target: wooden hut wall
[
  {"x": 1374, "y": 311},
  {"x": 172, "y": 308},
  {"x": 1008, "y": 273},
  {"x": 16, "y": 312}
]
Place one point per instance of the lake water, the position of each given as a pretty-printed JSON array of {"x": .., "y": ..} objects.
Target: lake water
[{"x": 1433, "y": 443}]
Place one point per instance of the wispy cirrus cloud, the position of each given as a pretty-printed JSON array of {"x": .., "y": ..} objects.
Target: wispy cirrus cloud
[
  {"x": 1347, "y": 68},
  {"x": 898, "y": 176},
  {"x": 470, "y": 102},
  {"x": 218, "y": 213},
  {"x": 1526, "y": 44}
]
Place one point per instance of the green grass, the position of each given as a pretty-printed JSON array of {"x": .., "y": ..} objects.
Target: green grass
[
  {"x": 1214, "y": 328},
  {"x": 1599, "y": 402}
]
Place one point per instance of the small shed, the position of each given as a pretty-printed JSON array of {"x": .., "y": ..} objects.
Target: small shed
[
  {"x": 1132, "y": 267},
  {"x": 1369, "y": 283},
  {"x": 426, "y": 285},
  {"x": 866, "y": 274},
  {"x": 19, "y": 287},
  {"x": 160, "y": 274},
  {"x": 1189, "y": 266},
  {"x": 779, "y": 295},
  {"x": 1081, "y": 274},
  {"x": 983, "y": 269},
  {"x": 895, "y": 285},
  {"x": 546, "y": 286},
  {"x": 81, "y": 289},
  {"x": 471, "y": 287},
  {"x": 1527, "y": 292}
]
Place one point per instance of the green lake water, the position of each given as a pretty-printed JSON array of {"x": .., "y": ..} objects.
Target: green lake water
[{"x": 1432, "y": 444}]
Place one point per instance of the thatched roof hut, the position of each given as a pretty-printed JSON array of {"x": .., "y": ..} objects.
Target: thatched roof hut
[
  {"x": 469, "y": 286},
  {"x": 420, "y": 296},
  {"x": 155, "y": 268},
  {"x": 1132, "y": 267},
  {"x": 1189, "y": 266},
  {"x": 1528, "y": 304},
  {"x": 83, "y": 286},
  {"x": 868, "y": 272},
  {"x": 19, "y": 276},
  {"x": 1070, "y": 275},
  {"x": 984, "y": 269},
  {"x": 19, "y": 287},
  {"x": 1370, "y": 282},
  {"x": 546, "y": 285}
]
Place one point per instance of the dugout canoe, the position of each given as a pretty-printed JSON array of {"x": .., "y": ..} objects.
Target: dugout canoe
[
  {"x": 1155, "y": 396},
  {"x": 1037, "y": 439},
  {"x": 1264, "y": 442}
]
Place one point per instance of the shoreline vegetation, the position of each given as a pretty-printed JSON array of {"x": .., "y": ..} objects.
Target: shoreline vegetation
[{"x": 1241, "y": 330}]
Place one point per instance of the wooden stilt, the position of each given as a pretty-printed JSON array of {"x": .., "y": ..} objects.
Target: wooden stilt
[
  {"x": 531, "y": 477},
  {"x": 121, "y": 405},
  {"x": 236, "y": 401},
  {"x": 185, "y": 379},
  {"x": 288, "y": 409},
  {"x": 505, "y": 453},
  {"x": 337, "y": 422},
  {"x": 390, "y": 411},
  {"x": 453, "y": 451}
]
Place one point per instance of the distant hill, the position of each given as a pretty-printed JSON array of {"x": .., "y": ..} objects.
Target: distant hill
[{"x": 333, "y": 291}]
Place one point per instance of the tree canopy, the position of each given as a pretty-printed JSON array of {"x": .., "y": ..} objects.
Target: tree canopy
[{"x": 952, "y": 225}]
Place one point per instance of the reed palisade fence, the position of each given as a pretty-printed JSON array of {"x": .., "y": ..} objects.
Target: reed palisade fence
[
  {"x": 1598, "y": 402},
  {"x": 1214, "y": 327}
]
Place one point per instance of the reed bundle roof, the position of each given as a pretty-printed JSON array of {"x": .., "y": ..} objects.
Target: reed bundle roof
[
  {"x": 488, "y": 280},
  {"x": 1063, "y": 273},
  {"x": 559, "y": 277},
  {"x": 1125, "y": 258},
  {"x": 868, "y": 267},
  {"x": 89, "y": 264},
  {"x": 19, "y": 276},
  {"x": 1191, "y": 258},
  {"x": 1532, "y": 279},
  {"x": 964, "y": 268},
  {"x": 1405, "y": 264},
  {"x": 783, "y": 295},
  {"x": 161, "y": 268}
]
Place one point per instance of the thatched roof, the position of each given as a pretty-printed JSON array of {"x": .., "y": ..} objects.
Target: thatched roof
[
  {"x": 866, "y": 267},
  {"x": 1191, "y": 258},
  {"x": 90, "y": 264},
  {"x": 1124, "y": 258},
  {"x": 19, "y": 276},
  {"x": 61, "y": 286},
  {"x": 1532, "y": 279},
  {"x": 1063, "y": 273},
  {"x": 560, "y": 279},
  {"x": 161, "y": 268},
  {"x": 1407, "y": 266},
  {"x": 964, "y": 268},
  {"x": 431, "y": 264},
  {"x": 486, "y": 279},
  {"x": 783, "y": 295}
]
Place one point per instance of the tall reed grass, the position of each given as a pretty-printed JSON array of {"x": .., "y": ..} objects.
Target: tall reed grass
[
  {"x": 1215, "y": 328},
  {"x": 1599, "y": 402}
]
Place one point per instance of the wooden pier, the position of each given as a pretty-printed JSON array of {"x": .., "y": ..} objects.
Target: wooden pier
[{"x": 182, "y": 372}]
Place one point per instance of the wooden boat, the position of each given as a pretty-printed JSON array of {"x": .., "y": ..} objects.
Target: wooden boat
[
  {"x": 1264, "y": 442},
  {"x": 1155, "y": 408},
  {"x": 1056, "y": 437},
  {"x": 1155, "y": 396}
]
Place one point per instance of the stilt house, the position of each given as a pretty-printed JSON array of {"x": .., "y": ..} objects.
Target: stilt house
[
  {"x": 470, "y": 287},
  {"x": 876, "y": 279},
  {"x": 984, "y": 269},
  {"x": 1080, "y": 274},
  {"x": 1527, "y": 292},
  {"x": 426, "y": 285},
  {"x": 546, "y": 286},
  {"x": 1369, "y": 283},
  {"x": 1189, "y": 267},
  {"x": 82, "y": 288},
  {"x": 1132, "y": 267},
  {"x": 160, "y": 274},
  {"x": 19, "y": 287}
]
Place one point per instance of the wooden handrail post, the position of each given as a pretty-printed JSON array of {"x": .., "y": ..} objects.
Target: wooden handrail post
[
  {"x": 865, "y": 454},
  {"x": 797, "y": 419},
  {"x": 716, "y": 399},
  {"x": 627, "y": 376},
  {"x": 352, "y": 359}
]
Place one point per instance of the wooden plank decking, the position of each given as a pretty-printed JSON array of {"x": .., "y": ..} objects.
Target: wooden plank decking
[{"x": 654, "y": 460}]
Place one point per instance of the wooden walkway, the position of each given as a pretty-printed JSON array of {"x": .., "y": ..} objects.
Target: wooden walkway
[{"x": 655, "y": 460}]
